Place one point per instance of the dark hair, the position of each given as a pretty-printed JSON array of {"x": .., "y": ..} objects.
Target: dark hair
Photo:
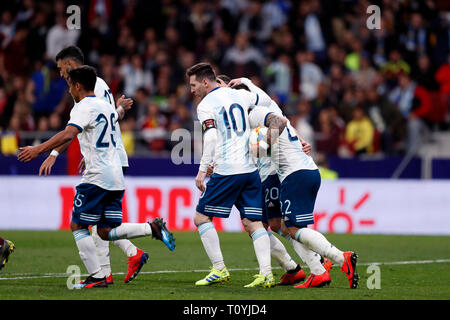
[
  {"x": 227, "y": 80},
  {"x": 241, "y": 86},
  {"x": 224, "y": 78},
  {"x": 201, "y": 71},
  {"x": 72, "y": 52},
  {"x": 84, "y": 75}
]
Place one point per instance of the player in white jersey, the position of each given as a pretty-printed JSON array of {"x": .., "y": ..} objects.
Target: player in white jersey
[
  {"x": 270, "y": 198},
  {"x": 223, "y": 113},
  {"x": 98, "y": 200},
  {"x": 69, "y": 58},
  {"x": 300, "y": 182}
]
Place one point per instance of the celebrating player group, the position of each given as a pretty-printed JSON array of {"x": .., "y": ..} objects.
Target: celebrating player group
[
  {"x": 228, "y": 112},
  {"x": 276, "y": 189}
]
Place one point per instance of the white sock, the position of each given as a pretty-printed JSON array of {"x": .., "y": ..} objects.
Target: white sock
[
  {"x": 261, "y": 243},
  {"x": 127, "y": 247},
  {"x": 130, "y": 231},
  {"x": 102, "y": 250},
  {"x": 211, "y": 243},
  {"x": 317, "y": 242},
  {"x": 311, "y": 258},
  {"x": 279, "y": 253},
  {"x": 86, "y": 249}
]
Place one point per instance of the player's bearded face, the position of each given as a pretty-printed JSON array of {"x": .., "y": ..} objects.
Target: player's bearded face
[
  {"x": 197, "y": 88},
  {"x": 63, "y": 68}
]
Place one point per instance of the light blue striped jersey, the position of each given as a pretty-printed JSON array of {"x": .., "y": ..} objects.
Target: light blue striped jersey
[{"x": 229, "y": 109}]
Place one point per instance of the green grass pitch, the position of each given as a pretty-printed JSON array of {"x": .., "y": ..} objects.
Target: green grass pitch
[{"x": 37, "y": 268}]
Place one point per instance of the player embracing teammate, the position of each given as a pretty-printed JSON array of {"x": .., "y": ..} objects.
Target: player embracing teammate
[{"x": 297, "y": 172}]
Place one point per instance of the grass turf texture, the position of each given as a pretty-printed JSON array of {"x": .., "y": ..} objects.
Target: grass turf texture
[{"x": 47, "y": 252}]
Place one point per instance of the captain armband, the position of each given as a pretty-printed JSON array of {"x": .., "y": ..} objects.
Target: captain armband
[{"x": 208, "y": 124}]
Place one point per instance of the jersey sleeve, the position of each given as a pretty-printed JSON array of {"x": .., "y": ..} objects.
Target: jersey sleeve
[
  {"x": 263, "y": 96},
  {"x": 206, "y": 117},
  {"x": 80, "y": 119},
  {"x": 253, "y": 99},
  {"x": 258, "y": 116}
]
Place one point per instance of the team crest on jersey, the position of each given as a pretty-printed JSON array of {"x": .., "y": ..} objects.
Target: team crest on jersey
[{"x": 208, "y": 124}]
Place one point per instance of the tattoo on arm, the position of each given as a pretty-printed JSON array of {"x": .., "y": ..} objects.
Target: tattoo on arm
[{"x": 276, "y": 125}]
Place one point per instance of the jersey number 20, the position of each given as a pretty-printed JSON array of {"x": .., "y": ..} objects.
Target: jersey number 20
[{"x": 100, "y": 141}]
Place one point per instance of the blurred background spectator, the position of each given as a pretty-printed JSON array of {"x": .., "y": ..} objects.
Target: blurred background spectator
[{"x": 347, "y": 89}]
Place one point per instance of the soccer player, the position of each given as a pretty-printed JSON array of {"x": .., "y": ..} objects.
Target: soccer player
[
  {"x": 6, "y": 248},
  {"x": 98, "y": 200},
  {"x": 300, "y": 182},
  {"x": 223, "y": 113},
  {"x": 271, "y": 201},
  {"x": 69, "y": 58}
]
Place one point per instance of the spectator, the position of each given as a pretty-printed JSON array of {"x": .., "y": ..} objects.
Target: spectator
[
  {"x": 424, "y": 74},
  {"x": 135, "y": 76},
  {"x": 153, "y": 127},
  {"x": 415, "y": 37},
  {"x": 255, "y": 24},
  {"x": 303, "y": 124},
  {"x": 242, "y": 59},
  {"x": 387, "y": 121},
  {"x": 359, "y": 133},
  {"x": 279, "y": 72},
  {"x": 365, "y": 75},
  {"x": 10, "y": 138},
  {"x": 59, "y": 37},
  {"x": 7, "y": 27},
  {"x": 327, "y": 134},
  {"x": 49, "y": 90},
  {"x": 15, "y": 53},
  {"x": 414, "y": 103},
  {"x": 310, "y": 75}
]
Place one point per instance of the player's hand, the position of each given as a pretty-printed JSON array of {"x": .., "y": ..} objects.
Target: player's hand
[
  {"x": 81, "y": 166},
  {"x": 126, "y": 103},
  {"x": 210, "y": 170},
  {"x": 234, "y": 82},
  {"x": 46, "y": 166},
  {"x": 306, "y": 148},
  {"x": 27, "y": 153},
  {"x": 199, "y": 179}
]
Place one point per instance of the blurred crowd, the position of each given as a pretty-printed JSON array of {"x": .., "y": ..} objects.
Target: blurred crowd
[{"x": 348, "y": 89}]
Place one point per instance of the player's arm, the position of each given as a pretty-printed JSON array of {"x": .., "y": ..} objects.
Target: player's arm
[
  {"x": 261, "y": 116},
  {"x": 209, "y": 130},
  {"x": 46, "y": 166},
  {"x": 256, "y": 96},
  {"x": 123, "y": 105},
  {"x": 276, "y": 125},
  {"x": 306, "y": 147},
  {"x": 29, "y": 153}
]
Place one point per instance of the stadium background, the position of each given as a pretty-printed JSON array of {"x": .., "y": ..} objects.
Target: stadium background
[{"x": 373, "y": 103}]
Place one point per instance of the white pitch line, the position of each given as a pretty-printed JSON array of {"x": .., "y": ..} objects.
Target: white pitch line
[{"x": 26, "y": 276}]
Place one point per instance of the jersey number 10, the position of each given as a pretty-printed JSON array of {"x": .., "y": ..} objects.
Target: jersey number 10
[
  {"x": 233, "y": 120},
  {"x": 100, "y": 141}
]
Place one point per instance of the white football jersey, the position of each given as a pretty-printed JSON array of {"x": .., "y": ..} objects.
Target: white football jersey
[
  {"x": 102, "y": 91},
  {"x": 96, "y": 121},
  {"x": 287, "y": 154},
  {"x": 229, "y": 109}
]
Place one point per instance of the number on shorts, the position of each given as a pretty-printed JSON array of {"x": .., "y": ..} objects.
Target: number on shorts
[
  {"x": 288, "y": 205},
  {"x": 273, "y": 193},
  {"x": 78, "y": 200}
]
